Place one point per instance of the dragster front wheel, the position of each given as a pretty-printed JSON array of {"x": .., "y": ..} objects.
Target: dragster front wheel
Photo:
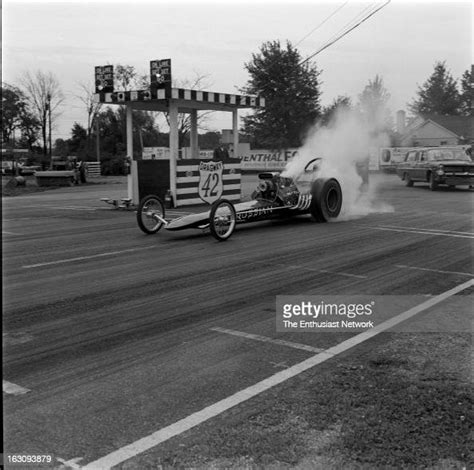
[
  {"x": 222, "y": 219},
  {"x": 151, "y": 214}
]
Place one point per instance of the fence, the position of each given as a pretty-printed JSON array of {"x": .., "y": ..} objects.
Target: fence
[{"x": 93, "y": 169}]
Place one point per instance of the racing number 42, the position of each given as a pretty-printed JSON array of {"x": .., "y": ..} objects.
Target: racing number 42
[{"x": 211, "y": 184}]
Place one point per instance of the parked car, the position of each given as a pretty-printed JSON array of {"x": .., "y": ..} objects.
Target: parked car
[{"x": 437, "y": 166}]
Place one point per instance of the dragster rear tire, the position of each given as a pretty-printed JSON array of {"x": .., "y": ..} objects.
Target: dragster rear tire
[
  {"x": 222, "y": 219},
  {"x": 326, "y": 201},
  {"x": 147, "y": 207}
]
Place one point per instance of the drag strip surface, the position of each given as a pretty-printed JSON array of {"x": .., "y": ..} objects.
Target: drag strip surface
[{"x": 115, "y": 334}]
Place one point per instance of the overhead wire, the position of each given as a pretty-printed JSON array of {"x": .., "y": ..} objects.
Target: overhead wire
[
  {"x": 354, "y": 20},
  {"x": 344, "y": 33},
  {"x": 322, "y": 22}
]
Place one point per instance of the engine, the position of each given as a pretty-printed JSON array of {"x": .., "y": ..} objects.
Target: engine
[
  {"x": 272, "y": 186},
  {"x": 266, "y": 189}
]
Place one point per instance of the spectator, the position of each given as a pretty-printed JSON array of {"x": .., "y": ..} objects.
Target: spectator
[
  {"x": 82, "y": 172},
  {"x": 221, "y": 153}
]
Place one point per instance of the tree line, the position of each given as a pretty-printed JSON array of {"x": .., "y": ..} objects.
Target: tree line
[{"x": 290, "y": 86}]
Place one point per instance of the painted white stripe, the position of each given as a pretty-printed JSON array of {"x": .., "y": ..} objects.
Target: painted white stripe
[
  {"x": 227, "y": 187},
  {"x": 434, "y": 270},
  {"x": 338, "y": 273},
  {"x": 70, "y": 463},
  {"x": 13, "y": 389},
  {"x": 430, "y": 230},
  {"x": 81, "y": 258},
  {"x": 421, "y": 232},
  {"x": 193, "y": 420},
  {"x": 195, "y": 179},
  {"x": 4, "y": 232},
  {"x": 266, "y": 339}
]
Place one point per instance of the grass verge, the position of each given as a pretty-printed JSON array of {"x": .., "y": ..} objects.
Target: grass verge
[{"x": 401, "y": 401}]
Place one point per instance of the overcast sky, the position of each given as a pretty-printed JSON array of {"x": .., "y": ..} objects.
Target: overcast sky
[{"x": 401, "y": 42}]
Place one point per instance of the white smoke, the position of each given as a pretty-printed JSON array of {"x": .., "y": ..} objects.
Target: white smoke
[{"x": 344, "y": 142}]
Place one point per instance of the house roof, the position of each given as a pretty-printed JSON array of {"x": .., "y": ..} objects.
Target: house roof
[{"x": 462, "y": 126}]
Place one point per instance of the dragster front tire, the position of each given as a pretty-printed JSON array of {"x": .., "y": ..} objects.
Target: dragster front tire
[
  {"x": 222, "y": 219},
  {"x": 326, "y": 201},
  {"x": 150, "y": 207}
]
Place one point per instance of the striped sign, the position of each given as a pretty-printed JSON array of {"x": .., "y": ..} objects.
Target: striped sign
[
  {"x": 194, "y": 175},
  {"x": 237, "y": 101}
]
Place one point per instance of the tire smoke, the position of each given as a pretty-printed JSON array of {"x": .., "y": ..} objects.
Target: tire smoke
[{"x": 344, "y": 144}]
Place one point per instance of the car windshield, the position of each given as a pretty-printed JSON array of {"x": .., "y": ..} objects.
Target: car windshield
[{"x": 447, "y": 154}]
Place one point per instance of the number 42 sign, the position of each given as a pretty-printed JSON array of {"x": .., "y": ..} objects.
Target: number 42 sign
[{"x": 211, "y": 185}]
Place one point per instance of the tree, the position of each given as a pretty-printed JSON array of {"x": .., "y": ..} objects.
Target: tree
[
  {"x": 126, "y": 78},
  {"x": 291, "y": 92},
  {"x": 438, "y": 95},
  {"x": 373, "y": 106},
  {"x": 44, "y": 96},
  {"x": 341, "y": 103},
  {"x": 92, "y": 108},
  {"x": 30, "y": 128},
  {"x": 466, "y": 93},
  {"x": 13, "y": 106}
]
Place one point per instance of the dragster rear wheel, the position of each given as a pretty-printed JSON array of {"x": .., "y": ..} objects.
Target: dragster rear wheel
[
  {"x": 326, "y": 201},
  {"x": 151, "y": 214},
  {"x": 222, "y": 219}
]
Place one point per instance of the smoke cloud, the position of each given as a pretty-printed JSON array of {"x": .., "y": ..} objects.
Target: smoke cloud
[{"x": 345, "y": 141}]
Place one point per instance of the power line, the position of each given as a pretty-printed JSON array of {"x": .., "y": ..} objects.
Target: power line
[
  {"x": 368, "y": 9},
  {"x": 320, "y": 24},
  {"x": 344, "y": 33}
]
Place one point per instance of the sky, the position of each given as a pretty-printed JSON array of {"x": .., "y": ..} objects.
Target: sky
[{"x": 401, "y": 43}]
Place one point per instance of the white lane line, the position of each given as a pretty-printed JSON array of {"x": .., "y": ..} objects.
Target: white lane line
[
  {"x": 4, "y": 232},
  {"x": 315, "y": 270},
  {"x": 421, "y": 231},
  {"x": 430, "y": 230},
  {"x": 434, "y": 270},
  {"x": 70, "y": 463},
  {"x": 81, "y": 258},
  {"x": 266, "y": 339},
  {"x": 13, "y": 389},
  {"x": 162, "y": 435}
]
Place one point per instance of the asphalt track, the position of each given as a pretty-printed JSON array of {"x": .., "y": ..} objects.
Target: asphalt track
[{"x": 111, "y": 335}]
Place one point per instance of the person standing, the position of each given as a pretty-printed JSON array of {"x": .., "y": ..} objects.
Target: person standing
[{"x": 221, "y": 153}]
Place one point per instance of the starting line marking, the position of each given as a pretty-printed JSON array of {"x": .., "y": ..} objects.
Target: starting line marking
[
  {"x": 199, "y": 417},
  {"x": 433, "y": 270},
  {"x": 13, "y": 389},
  {"x": 81, "y": 258},
  {"x": 266, "y": 339}
]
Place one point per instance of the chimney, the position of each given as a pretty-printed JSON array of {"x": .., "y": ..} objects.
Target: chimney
[{"x": 401, "y": 122}]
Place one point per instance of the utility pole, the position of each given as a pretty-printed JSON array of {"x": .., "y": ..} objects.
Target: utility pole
[
  {"x": 97, "y": 138},
  {"x": 49, "y": 121}
]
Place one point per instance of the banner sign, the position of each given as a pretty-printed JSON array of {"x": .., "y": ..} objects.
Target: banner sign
[
  {"x": 156, "y": 153},
  {"x": 266, "y": 160}
]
